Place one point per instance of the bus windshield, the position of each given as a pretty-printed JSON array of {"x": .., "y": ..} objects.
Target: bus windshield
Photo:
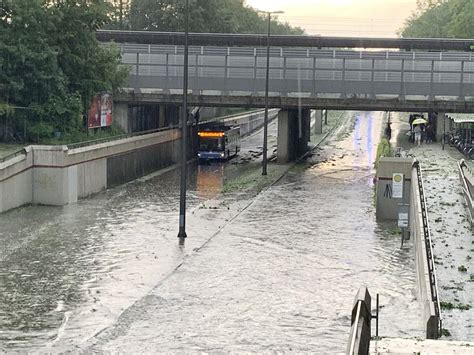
[{"x": 211, "y": 144}]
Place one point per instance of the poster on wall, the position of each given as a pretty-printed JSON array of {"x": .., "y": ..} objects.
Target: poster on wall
[
  {"x": 93, "y": 115},
  {"x": 100, "y": 111},
  {"x": 105, "y": 110}
]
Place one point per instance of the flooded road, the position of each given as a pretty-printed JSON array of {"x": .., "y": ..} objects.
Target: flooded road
[{"x": 278, "y": 273}]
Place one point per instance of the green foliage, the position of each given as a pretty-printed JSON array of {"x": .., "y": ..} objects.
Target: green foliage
[
  {"x": 441, "y": 19},
  {"x": 445, "y": 332},
  {"x": 51, "y": 63},
  {"x": 213, "y": 16},
  {"x": 460, "y": 306},
  {"x": 6, "y": 109},
  {"x": 106, "y": 133},
  {"x": 384, "y": 149}
]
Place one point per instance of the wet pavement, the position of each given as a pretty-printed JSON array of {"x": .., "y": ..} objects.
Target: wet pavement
[
  {"x": 273, "y": 273},
  {"x": 453, "y": 240}
]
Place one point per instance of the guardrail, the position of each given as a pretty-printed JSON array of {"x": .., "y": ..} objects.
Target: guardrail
[
  {"x": 467, "y": 187},
  {"x": 118, "y": 137},
  {"x": 361, "y": 317},
  {"x": 429, "y": 250},
  {"x": 307, "y": 71},
  {"x": 13, "y": 155}
]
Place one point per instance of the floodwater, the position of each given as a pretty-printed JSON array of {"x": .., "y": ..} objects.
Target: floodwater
[{"x": 274, "y": 273}]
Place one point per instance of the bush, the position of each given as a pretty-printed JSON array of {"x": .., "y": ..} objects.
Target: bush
[{"x": 384, "y": 149}]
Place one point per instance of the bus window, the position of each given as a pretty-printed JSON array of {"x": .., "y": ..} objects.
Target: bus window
[{"x": 210, "y": 144}]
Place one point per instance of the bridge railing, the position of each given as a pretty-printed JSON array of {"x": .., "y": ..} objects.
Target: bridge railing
[{"x": 345, "y": 73}]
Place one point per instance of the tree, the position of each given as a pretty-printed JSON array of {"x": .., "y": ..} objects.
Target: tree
[
  {"x": 441, "y": 19},
  {"x": 51, "y": 63},
  {"x": 213, "y": 16}
]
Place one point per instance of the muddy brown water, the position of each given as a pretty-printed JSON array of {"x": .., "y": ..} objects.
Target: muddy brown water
[{"x": 275, "y": 273}]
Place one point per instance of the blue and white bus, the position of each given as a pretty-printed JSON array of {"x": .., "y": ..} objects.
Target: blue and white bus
[{"x": 218, "y": 142}]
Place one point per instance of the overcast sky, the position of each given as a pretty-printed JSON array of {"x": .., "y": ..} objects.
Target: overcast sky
[{"x": 374, "y": 18}]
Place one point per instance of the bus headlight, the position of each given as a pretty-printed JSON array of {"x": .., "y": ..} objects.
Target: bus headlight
[
  {"x": 199, "y": 155},
  {"x": 222, "y": 155}
]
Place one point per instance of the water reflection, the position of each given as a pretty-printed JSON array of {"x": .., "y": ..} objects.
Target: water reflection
[{"x": 209, "y": 180}]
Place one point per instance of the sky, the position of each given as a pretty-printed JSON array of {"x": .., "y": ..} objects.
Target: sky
[{"x": 372, "y": 18}]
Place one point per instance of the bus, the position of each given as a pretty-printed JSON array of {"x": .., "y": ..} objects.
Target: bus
[{"x": 218, "y": 142}]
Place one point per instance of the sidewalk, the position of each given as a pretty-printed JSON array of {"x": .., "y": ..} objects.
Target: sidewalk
[{"x": 452, "y": 237}]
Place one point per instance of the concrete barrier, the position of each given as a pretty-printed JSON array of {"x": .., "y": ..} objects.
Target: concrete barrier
[
  {"x": 56, "y": 175},
  {"x": 361, "y": 317},
  {"x": 424, "y": 262},
  {"x": 467, "y": 180}
]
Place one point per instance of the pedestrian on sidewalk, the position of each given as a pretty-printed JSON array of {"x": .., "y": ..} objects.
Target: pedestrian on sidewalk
[
  {"x": 429, "y": 133},
  {"x": 417, "y": 130}
]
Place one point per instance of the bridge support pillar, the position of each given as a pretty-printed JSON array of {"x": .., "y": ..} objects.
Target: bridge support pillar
[
  {"x": 293, "y": 134},
  {"x": 442, "y": 126},
  {"x": 318, "y": 122},
  {"x": 162, "y": 117}
]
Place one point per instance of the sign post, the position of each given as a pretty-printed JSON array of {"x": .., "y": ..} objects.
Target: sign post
[{"x": 403, "y": 213}]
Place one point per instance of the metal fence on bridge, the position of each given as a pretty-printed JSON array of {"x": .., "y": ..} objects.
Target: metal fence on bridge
[{"x": 304, "y": 71}]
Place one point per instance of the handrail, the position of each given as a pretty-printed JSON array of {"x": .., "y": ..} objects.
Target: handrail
[
  {"x": 118, "y": 137},
  {"x": 289, "y": 69},
  {"x": 467, "y": 189},
  {"x": 429, "y": 248},
  {"x": 361, "y": 316},
  {"x": 13, "y": 155},
  {"x": 463, "y": 164}
]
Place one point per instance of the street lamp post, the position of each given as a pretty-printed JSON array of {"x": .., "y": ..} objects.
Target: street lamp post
[
  {"x": 265, "y": 119},
  {"x": 184, "y": 123}
]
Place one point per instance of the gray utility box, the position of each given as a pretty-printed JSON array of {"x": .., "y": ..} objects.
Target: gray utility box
[{"x": 393, "y": 186}]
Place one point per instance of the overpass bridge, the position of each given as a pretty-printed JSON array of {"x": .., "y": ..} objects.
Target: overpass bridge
[
  {"x": 408, "y": 75},
  {"x": 229, "y": 70},
  {"x": 395, "y": 80}
]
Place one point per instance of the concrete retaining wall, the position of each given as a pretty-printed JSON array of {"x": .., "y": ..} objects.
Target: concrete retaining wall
[
  {"x": 56, "y": 175},
  {"x": 430, "y": 318},
  {"x": 249, "y": 122},
  {"x": 16, "y": 188}
]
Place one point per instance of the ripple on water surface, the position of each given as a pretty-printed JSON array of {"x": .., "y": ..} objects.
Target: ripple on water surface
[{"x": 282, "y": 276}]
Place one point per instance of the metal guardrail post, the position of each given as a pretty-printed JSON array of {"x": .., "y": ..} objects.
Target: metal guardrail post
[
  {"x": 461, "y": 85},
  {"x": 432, "y": 80}
]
